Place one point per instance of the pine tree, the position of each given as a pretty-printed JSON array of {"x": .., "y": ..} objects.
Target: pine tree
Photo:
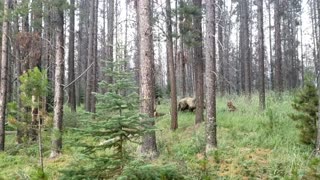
[
  {"x": 306, "y": 104},
  {"x": 117, "y": 121}
]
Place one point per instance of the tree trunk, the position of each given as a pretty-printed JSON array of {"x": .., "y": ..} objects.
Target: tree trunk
[
  {"x": 89, "y": 86},
  {"x": 182, "y": 53},
  {"x": 198, "y": 58},
  {"x": 59, "y": 78},
  {"x": 261, "y": 55},
  {"x": 317, "y": 149},
  {"x": 172, "y": 75},
  {"x": 211, "y": 125},
  {"x": 137, "y": 53},
  {"x": 84, "y": 13},
  {"x": 4, "y": 69},
  {"x": 71, "y": 74},
  {"x": 301, "y": 46},
  {"x": 221, "y": 47},
  {"x": 18, "y": 73},
  {"x": 270, "y": 49},
  {"x": 244, "y": 48},
  {"x": 278, "y": 54},
  {"x": 94, "y": 75},
  {"x": 149, "y": 146},
  {"x": 110, "y": 37}
]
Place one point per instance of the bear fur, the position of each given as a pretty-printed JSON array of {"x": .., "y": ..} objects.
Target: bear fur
[{"x": 187, "y": 103}]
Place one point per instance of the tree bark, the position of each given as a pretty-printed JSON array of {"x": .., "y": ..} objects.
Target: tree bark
[
  {"x": 84, "y": 7},
  {"x": 59, "y": 78},
  {"x": 110, "y": 37},
  {"x": 147, "y": 91},
  {"x": 198, "y": 58},
  {"x": 270, "y": 49},
  {"x": 89, "y": 86},
  {"x": 182, "y": 53},
  {"x": 244, "y": 48},
  {"x": 278, "y": 51},
  {"x": 71, "y": 73},
  {"x": 221, "y": 47},
  {"x": 262, "y": 100},
  {"x": 4, "y": 69},
  {"x": 95, "y": 70},
  {"x": 172, "y": 75},
  {"x": 211, "y": 124},
  {"x": 317, "y": 149}
]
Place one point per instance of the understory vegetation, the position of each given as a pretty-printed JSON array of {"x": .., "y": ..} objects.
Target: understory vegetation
[{"x": 252, "y": 145}]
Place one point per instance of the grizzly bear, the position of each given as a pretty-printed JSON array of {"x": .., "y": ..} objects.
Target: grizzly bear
[{"x": 187, "y": 103}]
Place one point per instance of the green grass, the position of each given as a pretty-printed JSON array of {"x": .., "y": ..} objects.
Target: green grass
[{"x": 251, "y": 145}]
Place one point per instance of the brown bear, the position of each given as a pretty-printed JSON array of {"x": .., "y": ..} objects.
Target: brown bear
[
  {"x": 231, "y": 107},
  {"x": 187, "y": 103}
]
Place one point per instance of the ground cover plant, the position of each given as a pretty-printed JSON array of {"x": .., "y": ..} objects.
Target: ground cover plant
[{"x": 252, "y": 144}]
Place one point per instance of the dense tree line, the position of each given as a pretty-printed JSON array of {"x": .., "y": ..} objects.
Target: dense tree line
[{"x": 213, "y": 48}]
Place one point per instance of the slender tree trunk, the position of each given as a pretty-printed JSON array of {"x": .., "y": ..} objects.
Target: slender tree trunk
[
  {"x": 89, "y": 87},
  {"x": 317, "y": 150},
  {"x": 221, "y": 47},
  {"x": 103, "y": 37},
  {"x": 59, "y": 78},
  {"x": 244, "y": 48},
  {"x": 211, "y": 124},
  {"x": 94, "y": 76},
  {"x": 110, "y": 37},
  {"x": 71, "y": 74},
  {"x": 261, "y": 55},
  {"x": 198, "y": 58},
  {"x": 4, "y": 69},
  {"x": 270, "y": 49},
  {"x": 278, "y": 54},
  {"x": 47, "y": 50},
  {"x": 301, "y": 46},
  {"x": 137, "y": 53},
  {"x": 227, "y": 51},
  {"x": 25, "y": 20},
  {"x": 125, "y": 50},
  {"x": 18, "y": 73},
  {"x": 84, "y": 14},
  {"x": 149, "y": 146},
  {"x": 182, "y": 53},
  {"x": 172, "y": 75}
]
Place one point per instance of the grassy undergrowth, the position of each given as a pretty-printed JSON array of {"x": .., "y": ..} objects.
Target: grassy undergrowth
[{"x": 252, "y": 145}]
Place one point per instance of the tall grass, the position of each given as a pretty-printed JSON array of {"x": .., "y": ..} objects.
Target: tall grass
[{"x": 252, "y": 144}]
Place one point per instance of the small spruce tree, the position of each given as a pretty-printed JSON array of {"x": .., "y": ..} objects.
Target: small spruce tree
[
  {"x": 116, "y": 122},
  {"x": 306, "y": 105},
  {"x": 32, "y": 89}
]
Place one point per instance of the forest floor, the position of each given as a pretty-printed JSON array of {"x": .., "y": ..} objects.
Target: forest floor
[{"x": 251, "y": 145}]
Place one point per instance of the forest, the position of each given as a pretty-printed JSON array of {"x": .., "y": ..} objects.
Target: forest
[{"x": 159, "y": 89}]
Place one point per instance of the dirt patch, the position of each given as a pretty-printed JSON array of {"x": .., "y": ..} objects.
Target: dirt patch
[
  {"x": 251, "y": 163},
  {"x": 260, "y": 156}
]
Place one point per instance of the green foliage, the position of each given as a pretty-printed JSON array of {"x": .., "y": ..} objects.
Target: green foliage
[
  {"x": 116, "y": 123},
  {"x": 306, "y": 104},
  {"x": 33, "y": 83},
  {"x": 247, "y": 148},
  {"x": 188, "y": 35},
  {"x": 139, "y": 170},
  {"x": 37, "y": 173},
  {"x": 313, "y": 171}
]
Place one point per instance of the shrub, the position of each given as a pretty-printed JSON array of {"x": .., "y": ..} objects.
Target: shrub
[{"x": 306, "y": 104}]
